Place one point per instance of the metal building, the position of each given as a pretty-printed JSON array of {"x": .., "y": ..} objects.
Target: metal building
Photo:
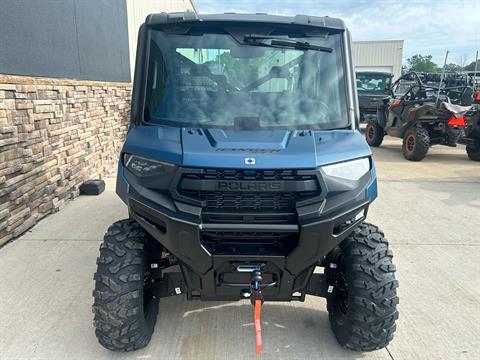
[
  {"x": 384, "y": 55},
  {"x": 75, "y": 39},
  {"x": 137, "y": 11}
]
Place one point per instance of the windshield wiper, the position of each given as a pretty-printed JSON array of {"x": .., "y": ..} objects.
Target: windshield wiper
[{"x": 259, "y": 40}]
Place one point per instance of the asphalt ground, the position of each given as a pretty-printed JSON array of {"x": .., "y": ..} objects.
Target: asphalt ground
[{"x": 430, "y": 212}]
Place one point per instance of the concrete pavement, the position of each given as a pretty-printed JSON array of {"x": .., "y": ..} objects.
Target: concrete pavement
[{"x": 430, "y": 212}]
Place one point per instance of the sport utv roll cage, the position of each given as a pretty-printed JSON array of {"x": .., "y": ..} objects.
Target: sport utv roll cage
[{"x": 426, "y": 88}]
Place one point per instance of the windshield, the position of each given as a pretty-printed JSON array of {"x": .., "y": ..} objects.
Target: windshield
[
  {"x": 373, "y": 82},
  {"x": 220, "y": 80}
]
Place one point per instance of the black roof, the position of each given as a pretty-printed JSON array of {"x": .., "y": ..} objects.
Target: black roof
[{"x": 189, "y": 17}]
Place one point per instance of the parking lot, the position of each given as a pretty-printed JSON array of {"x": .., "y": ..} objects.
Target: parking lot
[{"x": 430, "y": 213}]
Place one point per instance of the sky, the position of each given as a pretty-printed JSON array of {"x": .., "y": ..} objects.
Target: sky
[{"x": 427, "y": 27}]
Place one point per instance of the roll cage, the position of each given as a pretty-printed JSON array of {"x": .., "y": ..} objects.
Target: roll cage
[{"x": 423, "y": 88}]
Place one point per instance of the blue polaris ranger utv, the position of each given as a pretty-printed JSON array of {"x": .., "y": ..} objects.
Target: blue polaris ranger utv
[{"x": 244, "y": 171}]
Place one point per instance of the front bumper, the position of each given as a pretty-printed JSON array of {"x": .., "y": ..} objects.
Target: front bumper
[
  {"x": 210, "y": 276},
  {"x": 365, "y": 117},
  {"x": 368, "y": 107}
]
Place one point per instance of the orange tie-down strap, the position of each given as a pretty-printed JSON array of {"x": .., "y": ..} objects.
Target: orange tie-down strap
[{"x": 258, "y": 327}]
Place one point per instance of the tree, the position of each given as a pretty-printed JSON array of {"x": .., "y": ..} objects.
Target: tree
[
  {"x": 471, "y": 66},
  {"x": 239, "y": 72},
  {"x": 421, "y": 63},
  {"x": 452, "y": 68}
]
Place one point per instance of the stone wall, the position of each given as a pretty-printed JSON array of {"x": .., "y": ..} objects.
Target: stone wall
[{"x": 54, "y": 135}]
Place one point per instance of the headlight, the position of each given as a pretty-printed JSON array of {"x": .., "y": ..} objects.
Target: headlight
[
  {"x": 141, "y": 166},
  {"x": 350, "y": 170}
]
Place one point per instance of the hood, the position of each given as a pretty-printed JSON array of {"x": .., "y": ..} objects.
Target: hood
[{"x": 265, "y": 149}]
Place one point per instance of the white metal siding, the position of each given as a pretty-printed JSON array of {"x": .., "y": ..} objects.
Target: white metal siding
[
  {"x": 137, "y": 11},
  {"x": 379, "y": 54}
]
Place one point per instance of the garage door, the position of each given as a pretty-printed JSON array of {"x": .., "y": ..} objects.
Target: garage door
[{"x": 388, "y": 69}]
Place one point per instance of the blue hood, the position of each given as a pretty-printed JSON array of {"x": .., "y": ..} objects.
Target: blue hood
[{"x": 230, "y": 148}]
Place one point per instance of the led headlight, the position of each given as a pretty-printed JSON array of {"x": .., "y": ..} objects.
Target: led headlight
[
  {"x": 350, "y": 170},
  {"x": 141, "y": 166}
]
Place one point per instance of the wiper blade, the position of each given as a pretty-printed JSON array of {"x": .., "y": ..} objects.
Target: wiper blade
[
  {"x": 301, "y": 45},
  {"x": 259, "y": 40}
]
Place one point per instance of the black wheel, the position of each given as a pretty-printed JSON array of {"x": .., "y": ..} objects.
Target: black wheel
[
  {"x": 416, "y": 143},
  {"x": 362, "y": 305},
  {"x": 374, "y": 134},
  {"x": 473, "y": 153},
  {"x": 124, "y": 307}
]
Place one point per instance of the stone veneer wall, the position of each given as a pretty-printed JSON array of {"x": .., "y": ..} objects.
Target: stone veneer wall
[{"x": 54, "y": 135}]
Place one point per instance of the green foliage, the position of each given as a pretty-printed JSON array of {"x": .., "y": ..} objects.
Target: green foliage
[
  {"x": 239, "y": 72},
  {"x": 422, "y": 63},
  {"x": 452, "y": 68},
  {"x": 471, "y": 66}
]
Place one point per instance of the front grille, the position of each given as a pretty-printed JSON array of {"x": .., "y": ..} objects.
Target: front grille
[
  {"x": 249, "y": 243},
  {"x": 238, "y": 200},
  {"x": 248, "y": 218},
  {"x": 232, "y": 201},
  {"x": 263, "y": 197},
  {"x": 247, "y": 174}
]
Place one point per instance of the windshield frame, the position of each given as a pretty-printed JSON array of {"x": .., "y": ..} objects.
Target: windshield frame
[{"x": 139, "y": 94}]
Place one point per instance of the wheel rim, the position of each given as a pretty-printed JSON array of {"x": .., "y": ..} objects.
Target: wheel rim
[
  {"x": 370, "y": 132},
  {"x": 410, "y": 142}
]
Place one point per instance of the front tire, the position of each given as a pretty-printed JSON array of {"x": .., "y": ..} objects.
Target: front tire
[
  {"x": 374, "y": 134},
  {"x": 473, "y": 153},
  {"x": 362, "y": 306},
  {"x": 416, "y": 143},
  {"x": 125, "y": 310}
]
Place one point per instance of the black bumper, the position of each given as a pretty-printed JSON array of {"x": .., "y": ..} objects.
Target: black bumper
[
  {"x": 211, "y": 276},
  {"x": 368, "y": 106}
]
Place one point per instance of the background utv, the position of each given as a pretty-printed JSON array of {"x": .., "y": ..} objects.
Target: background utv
[
  {"x": 243, "y": 170},
  {"x": 421, "y": 115},
  {"x": 372, "y": 88}
]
